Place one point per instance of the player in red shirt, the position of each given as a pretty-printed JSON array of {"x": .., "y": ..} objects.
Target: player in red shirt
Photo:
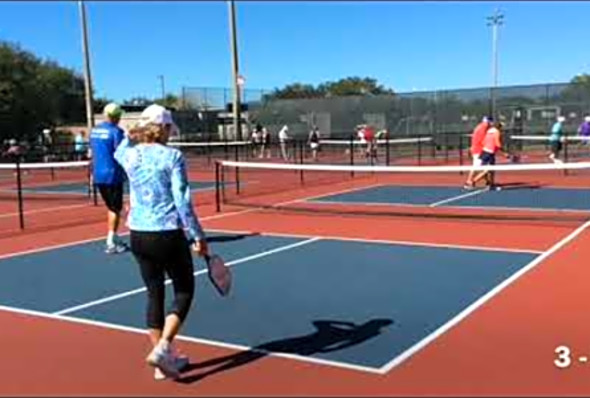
[
  {"x": 369, "y": 135},
  {"x": 477, "y": 138}
]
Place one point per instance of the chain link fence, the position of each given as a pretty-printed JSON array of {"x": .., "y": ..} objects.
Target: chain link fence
[{"x": 524, "y": 110}]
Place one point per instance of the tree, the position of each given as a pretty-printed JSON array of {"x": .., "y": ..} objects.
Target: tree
[
  {"x": 296, "y": 90},
  {"x": 170, "y": 101},
  {"x": 36, "y": 94},
  {"x": 350, "y": 86},
  {"x": 578, "y": 89},
  {"x": 353, "y": 86}
]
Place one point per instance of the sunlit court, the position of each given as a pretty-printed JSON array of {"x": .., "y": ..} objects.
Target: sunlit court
[{"x": 337, "y": 232}]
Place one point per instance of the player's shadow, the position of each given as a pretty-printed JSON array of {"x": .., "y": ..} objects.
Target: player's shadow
[
  {"x": 329, "y": 336},
  {"x": 230, "y": 238}
]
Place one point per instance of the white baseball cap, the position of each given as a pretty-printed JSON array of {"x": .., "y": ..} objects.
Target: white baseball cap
[
  {"x": 156, "y": 114},
  {"x": 112, "y": 110},
  {"x": 561, "y": 119},
  {"x": 587, "y": 119}
]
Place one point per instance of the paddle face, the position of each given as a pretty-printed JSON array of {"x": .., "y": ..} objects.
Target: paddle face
[{"x": 219, "y": 274}]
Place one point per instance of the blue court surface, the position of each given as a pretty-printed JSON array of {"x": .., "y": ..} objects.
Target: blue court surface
[
  {"x": 78, "y": 188},
  {"x": 517, "y": 197},
  {"x": 347, "y": 302}
]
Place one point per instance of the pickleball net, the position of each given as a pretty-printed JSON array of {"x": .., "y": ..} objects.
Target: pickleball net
[
  {"x": 43, "y": 193},
  {"x": 538, "y": 192}
]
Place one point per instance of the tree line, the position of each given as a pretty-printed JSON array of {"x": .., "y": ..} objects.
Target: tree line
[{"x": 36, "y": 94}]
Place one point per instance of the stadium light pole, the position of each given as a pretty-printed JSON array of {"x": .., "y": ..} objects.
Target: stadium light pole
[
  {"x": 235, "y": 69},
  {"x": 494, "y": 21},
  {"x": 87, "y": 75},
  {"x": 161, "y": 77}
]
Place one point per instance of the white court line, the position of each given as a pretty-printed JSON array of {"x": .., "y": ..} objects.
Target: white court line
[
  {"x": 7, "y": 215},
  {"x": 481, "y": 301},
  {"x": 348, "y": 190},
  {"x": 454, "y": 198},
  {"x": 382, "y": 241},
  {"x": 79, "y": 242},
  {"x": 212, "y": 343},
  {"x": 196, "y": 273},
  {"x": 490, "y": 208}
]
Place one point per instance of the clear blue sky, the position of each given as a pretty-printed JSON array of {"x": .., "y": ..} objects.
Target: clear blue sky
[{"x": 405, "y": 45}]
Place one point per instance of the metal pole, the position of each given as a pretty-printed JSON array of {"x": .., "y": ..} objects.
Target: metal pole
[
  {"x": 87, "y": 75},
  {"x": 235, "y": 69},
  {"x": 19, "y": 191},
  {"x": 494, "y": 21},
  {"x": 87, "y": 80},
  {"x": 161, "y": 77}
]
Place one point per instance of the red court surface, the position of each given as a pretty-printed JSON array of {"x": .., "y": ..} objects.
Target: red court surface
[{"x": 504, "y": 347}]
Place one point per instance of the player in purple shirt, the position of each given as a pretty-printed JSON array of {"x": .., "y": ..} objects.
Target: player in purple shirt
[{"x": 584, "y": 130}]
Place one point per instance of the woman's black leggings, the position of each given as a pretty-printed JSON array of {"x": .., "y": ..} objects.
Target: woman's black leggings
[{"x": 160, "y": 253}]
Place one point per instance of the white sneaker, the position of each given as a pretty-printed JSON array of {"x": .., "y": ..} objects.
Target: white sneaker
[
  {"x": 161, "y": 357},
  {"x": 181, "y": 362},
  {"x": 116, "y": 248}
]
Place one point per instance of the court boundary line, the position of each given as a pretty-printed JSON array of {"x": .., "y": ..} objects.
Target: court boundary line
[
  {"x": 213, "y": 343},
  {"x": 471, "y": 308},
  {"x": 457, "y": 197},
  {"x": 206, "y": 218},
  {"x": 83, "y": 241},
  {"x": 132, "y": 292},
  {"x": 381, "y": 241},
  {"x": 381, "y": 370},
  {"x": 491, "y": 208},
  {"x": 44, "y": 210}
]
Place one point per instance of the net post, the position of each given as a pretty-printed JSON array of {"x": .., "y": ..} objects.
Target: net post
[
  {"x": 19, "y": 190},
  {"x": 237, "y": 179},
  {"x": 433, "y": 147},
  {"x": 217, "y": 188},
  {"x": 387, "y": 148},
  {"x": 351, "y": 146},
  {"x": 461, "y": 152},
  {"x": 419, "y": 151},
  {"x": 301, "y": 143},
  {"x": 446, "y": 143},
  {"x": 222, "y": 176},
  {"x": 236, "y": 153},
  {"x": 94, "y": 194},
  {"x": 565, "y": 151},
  {"x": 89, "y": 181},
  {"x": 209, "y": 150}
]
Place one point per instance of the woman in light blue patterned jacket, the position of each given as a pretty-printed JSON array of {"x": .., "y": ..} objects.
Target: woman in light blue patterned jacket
[{"x": 160, "y": 210}]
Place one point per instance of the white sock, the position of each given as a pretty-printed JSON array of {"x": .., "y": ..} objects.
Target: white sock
[{"x": 111, "y": 238}]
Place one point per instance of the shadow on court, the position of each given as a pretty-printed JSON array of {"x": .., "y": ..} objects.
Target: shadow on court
[
  {"x": 230, "y": 238},
  {"x": 329, "y": 336}
]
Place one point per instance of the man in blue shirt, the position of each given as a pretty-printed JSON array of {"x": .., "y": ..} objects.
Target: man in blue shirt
[{"x": 108, "y": 175}]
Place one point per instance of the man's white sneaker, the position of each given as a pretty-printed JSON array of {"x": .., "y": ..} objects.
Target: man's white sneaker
[{"x": 116, "y": 248}]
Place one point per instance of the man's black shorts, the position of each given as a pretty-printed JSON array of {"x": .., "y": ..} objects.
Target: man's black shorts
[
  {"x": 488, "y": 158},
  {"x": 556, "y": 146},
  {"x": 112, "y": 196}
]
